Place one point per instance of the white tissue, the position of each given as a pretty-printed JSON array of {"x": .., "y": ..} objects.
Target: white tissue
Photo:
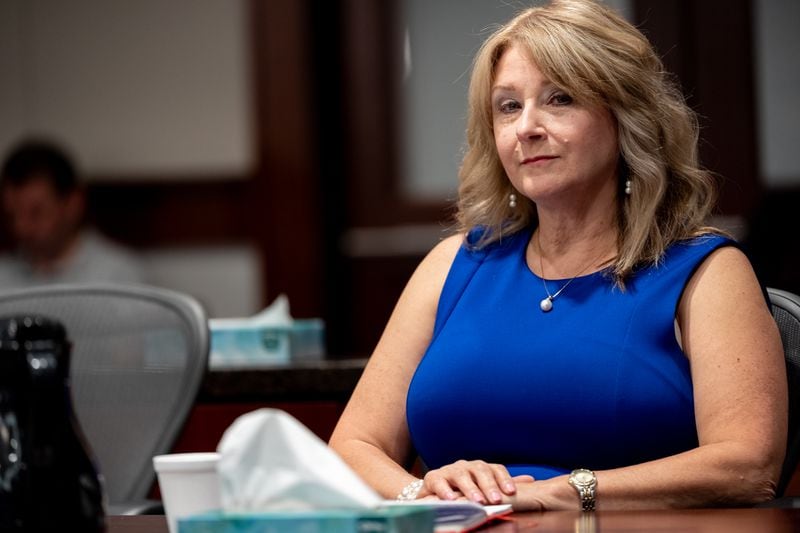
[
  {"x": 276, "y": 314},
  {"x": 269, "y": 461}
]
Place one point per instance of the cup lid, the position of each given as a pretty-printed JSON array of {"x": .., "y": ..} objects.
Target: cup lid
[{"x": 183, "y": 462}]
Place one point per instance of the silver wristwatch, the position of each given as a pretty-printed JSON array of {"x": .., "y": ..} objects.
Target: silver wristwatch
[{"x": 585, "y": 482}]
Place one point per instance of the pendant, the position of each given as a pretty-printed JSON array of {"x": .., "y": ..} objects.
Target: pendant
[{"x": 546, "y": 304}]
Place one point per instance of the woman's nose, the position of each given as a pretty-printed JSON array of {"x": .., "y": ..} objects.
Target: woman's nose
[{"x": 529, "y": 124}]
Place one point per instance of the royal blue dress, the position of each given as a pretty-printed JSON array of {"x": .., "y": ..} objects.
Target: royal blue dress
[{"x": 598, "y": 382}]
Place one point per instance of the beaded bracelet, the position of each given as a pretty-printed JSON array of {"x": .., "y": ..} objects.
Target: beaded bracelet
[{"x": 410, "y": 491}]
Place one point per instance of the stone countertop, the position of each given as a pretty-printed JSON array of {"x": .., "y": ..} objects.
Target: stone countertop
[{"x": 329, "y": 379}]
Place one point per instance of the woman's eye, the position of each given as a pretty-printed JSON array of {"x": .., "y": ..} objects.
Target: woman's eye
[
  {"x": 508, "y": 106},
  {"x": 560, "y": 98}
]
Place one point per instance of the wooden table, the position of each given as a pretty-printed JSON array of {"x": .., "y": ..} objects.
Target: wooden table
[{"x": 694, "y": 521}]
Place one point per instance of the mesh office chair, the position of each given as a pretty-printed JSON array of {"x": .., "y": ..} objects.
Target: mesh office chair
[
  {"x": 786, "y": 310},
  {"x": 138, "y": 357}
]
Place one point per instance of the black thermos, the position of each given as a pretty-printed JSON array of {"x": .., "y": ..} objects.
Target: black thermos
[{"x": 48, "y": 481}]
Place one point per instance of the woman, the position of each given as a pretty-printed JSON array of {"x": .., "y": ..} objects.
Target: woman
[{"x": 584, "y": 341}]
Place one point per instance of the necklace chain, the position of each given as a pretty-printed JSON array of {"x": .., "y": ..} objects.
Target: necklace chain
[{"x": 546, "y": 304}]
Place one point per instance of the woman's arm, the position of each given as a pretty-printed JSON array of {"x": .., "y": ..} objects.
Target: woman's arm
[
  {"x": 372, "y": 435},
  {"x": 740, "y": 392}
]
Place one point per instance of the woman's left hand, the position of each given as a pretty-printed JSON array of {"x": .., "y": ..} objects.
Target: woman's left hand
[{"x": 478, "y": 481}]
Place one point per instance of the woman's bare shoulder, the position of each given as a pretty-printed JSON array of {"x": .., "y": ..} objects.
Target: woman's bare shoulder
[
  {"x": 436, "y": 263},
  {"x": 724, "y": 300},
  {"x": 726, "y": 275},
  {"x": 446, "y": 249},
  {"x": 422, "y": 291}
]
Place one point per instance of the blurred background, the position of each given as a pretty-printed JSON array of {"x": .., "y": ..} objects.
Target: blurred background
[{"x": 248, "y": 148}]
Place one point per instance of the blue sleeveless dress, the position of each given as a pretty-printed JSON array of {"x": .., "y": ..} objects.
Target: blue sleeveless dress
[{"x": 598, "y": 382}]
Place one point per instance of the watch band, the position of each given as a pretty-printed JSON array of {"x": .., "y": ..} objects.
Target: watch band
[
  {"x": 585, "y": 483},
  {"x": 587, "y": 498}
]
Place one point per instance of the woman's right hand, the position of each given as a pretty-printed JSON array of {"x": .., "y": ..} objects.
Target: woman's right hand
[{"x": 478, "y": 481}]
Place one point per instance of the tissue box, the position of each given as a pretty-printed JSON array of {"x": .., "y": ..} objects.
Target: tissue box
[
  {"x": 388, "y": 520},
  {"x": 243, "y": 345}
]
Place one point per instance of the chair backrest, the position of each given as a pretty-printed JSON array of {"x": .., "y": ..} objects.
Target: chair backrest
[
  {"x": 786, "y": 310},
  {"x": 138, "y": 357}
]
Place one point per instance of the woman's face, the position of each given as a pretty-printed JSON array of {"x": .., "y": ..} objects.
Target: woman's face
[{"x": 552, "y": 148}]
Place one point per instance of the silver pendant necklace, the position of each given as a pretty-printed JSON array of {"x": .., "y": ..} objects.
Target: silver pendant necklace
[{"x": 546, "y": 305}]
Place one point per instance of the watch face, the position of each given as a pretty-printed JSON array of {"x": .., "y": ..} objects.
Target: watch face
[{"x": 582, "y": 478}]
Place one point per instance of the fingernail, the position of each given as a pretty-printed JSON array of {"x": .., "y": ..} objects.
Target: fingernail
[
  {"x": 510, "y": 487},
  {"x": 495, "y": 496},
  {"x": 478, "y": 497},
  {"x": 449, "y": 495}
]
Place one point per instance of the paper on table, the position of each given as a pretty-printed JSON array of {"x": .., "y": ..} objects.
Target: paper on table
[
  {"x": 457, "y": 516},
  {"x": 271, "y": 462}
]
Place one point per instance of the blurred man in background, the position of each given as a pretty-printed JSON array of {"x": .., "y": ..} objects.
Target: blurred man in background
[{"x": 44, "y": 203}]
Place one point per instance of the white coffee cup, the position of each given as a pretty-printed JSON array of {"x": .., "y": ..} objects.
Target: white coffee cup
[{"x": 189, "y": 484}]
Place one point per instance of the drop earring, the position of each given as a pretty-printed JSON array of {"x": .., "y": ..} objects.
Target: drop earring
[
  {"x": 512, "y": 200},
  {"x": 628, "y": 187}
]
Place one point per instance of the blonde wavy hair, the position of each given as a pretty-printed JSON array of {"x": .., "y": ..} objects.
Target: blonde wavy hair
[{"x": 597, "y": 57}]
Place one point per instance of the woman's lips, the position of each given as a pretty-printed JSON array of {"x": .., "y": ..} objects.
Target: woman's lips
[{"x": 539, "y": 159}]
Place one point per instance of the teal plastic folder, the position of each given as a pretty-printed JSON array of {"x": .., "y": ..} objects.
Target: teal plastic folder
[{"x": 387, "y": 520}]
